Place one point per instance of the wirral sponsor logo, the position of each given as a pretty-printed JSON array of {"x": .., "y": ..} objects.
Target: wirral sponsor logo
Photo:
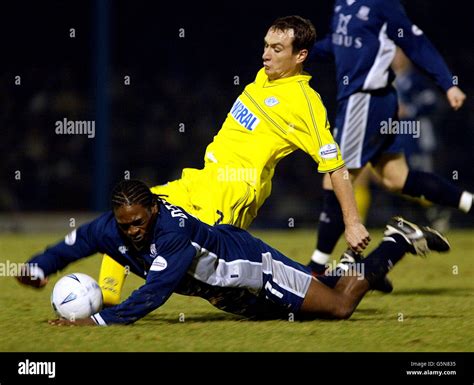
[
  {"x": 244, "y": 116},
  {"x": 75, "y": 127},
  {"x": 400, "y": 127}
]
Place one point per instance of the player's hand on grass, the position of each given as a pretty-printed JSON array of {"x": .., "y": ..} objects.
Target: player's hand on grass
[
  {"x": 29, "y": 278},
  {"x": 455, "y": 97},
  {"x": 357, "y": 237},
  {"x": 65, "y": 322}
]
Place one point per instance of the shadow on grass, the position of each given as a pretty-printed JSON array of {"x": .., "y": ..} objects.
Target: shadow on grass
[
  {"x": 217, "y": 317},
  {"x": 194, "y": 318},
  {"x": 457, "y": 291},
  {"x": 390, "y": 317}
]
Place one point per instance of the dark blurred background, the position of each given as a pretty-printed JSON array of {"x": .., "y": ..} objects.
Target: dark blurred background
[{"x": 125, "y": 66}]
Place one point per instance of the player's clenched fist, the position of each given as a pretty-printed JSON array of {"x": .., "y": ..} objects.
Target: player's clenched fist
[
  {"x": 357, "y": 237},
  {"x": 455, "y": 97}
]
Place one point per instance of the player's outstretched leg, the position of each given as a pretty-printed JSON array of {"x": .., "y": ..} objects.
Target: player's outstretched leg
[
  {"x": 396, "y": 176},
  {"x": 438, "y": 190},
  {"x": 401, "y": 236}
]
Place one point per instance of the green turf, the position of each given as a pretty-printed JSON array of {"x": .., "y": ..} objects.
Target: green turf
[{"x": 431, "y": 309}]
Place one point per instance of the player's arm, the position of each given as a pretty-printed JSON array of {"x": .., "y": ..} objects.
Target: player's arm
[
  {"x": 321, "y": 49},
  {"x": 78, "y": 244},
  {"x": 356, "y": 234},
  {"x": 313, "y": 136},
  {"x": 421, "y": 51},
  {"x": 163, "y": 277}
]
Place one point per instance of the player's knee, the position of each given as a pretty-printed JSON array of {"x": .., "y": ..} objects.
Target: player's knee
[
  {"x": 393, "y": 183},
  {"x": 343, "y": 311}
]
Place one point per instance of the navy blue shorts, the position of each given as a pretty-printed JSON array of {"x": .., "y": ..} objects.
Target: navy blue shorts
[
  {"x": 358, "y": 127},
  {"x": 265, "y": 285},
  {"x": 285, "y": 282},
  {"x": 250, "y": 264}
]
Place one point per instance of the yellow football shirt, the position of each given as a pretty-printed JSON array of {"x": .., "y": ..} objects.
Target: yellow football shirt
[{"x": 268, "y": 121}]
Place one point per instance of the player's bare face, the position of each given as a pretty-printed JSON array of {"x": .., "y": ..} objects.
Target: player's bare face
[
  {"x": 135, "y": 222},
  {"x": 279, "y": 60}
]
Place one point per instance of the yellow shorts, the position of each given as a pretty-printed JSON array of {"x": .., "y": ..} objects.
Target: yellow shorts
[{"x": 214, "y": 201}]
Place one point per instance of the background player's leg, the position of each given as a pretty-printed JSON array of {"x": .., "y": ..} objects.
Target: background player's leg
[
  {"x": 111, "y": 280},
  {"x": 397, "y": 177}
]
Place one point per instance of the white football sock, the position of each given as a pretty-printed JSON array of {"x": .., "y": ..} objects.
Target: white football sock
[
  {"x": 320, "y": 257},
  {"x": 465, "y": 203}
]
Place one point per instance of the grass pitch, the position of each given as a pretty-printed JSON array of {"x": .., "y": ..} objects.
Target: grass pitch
[{"x": 431, "y": 309}]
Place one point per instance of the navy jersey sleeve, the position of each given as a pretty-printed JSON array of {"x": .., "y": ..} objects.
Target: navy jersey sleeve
[
  {"x": 322, "y": 48},
  {"x": 78, "y": 244},
  {"x": 164, "y": 275},
  {"x": 415, "y": 44}
]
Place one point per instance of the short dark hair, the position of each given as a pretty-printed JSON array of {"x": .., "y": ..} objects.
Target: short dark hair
[
  {"x": 132, "y": 192},
  {"x": 305, "y": 33}
]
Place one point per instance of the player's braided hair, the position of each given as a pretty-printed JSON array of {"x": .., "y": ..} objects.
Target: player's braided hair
[
  {"x": 132, "y": 192},
  {"x": 304, "y": 31}
]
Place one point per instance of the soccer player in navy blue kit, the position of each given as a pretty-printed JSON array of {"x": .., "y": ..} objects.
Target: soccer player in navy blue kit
[
  {"x": 175, "y": 252},
  {"x": 363, "y": 38}
]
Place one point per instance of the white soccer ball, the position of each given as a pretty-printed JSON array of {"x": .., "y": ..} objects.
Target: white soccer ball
[{"x": 76, "y": 296}]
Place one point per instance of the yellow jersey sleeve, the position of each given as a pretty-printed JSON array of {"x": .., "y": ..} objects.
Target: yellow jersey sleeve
[{"x": 310, "y": 131}]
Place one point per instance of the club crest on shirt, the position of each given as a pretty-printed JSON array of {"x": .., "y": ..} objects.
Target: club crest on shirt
[
  {"x": 153, "y": 250},
  {"x": 242, "y": 115},
  {"x": 271, "y": 101},
  {"x": 123, "y": 249}
]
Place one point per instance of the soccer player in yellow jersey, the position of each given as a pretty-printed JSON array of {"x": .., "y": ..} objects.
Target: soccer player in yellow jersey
[{"x": 275, "y": 115}]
